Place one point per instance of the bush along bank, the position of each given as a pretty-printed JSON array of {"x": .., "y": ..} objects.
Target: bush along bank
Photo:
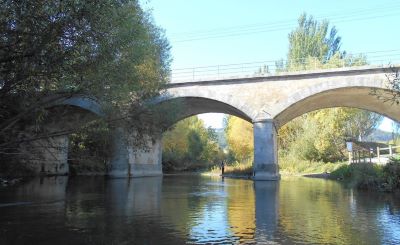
[{"x": 371, "y": 176}]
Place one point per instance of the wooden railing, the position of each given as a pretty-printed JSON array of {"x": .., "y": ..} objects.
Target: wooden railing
[
  {"x": 390, "y": 149},
  {"x": 367, "y": 155}
]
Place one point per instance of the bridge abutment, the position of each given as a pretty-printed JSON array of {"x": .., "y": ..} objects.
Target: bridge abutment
[{"x": 265, "y": 164}]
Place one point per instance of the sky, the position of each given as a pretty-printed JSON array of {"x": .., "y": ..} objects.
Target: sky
[{"x": 216, "y": 32}]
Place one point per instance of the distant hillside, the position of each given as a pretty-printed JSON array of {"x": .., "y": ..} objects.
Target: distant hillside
[{"x": 380, "y": 136}]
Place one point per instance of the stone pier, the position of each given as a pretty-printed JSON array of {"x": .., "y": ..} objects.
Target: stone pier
[
  {"x": 129, "y": 162},
  {"x": 265, "y": 151}
]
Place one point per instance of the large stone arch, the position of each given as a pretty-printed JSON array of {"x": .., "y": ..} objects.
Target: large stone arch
[
  {"x": 224, "y": 97},
  {"x": 148, "y": 162},
  {"x": 354, "y": 97},
  {"x": 345, "y": 92},
  {"x": 193, "y": 105}
]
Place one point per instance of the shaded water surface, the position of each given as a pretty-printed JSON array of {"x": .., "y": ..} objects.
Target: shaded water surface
[{"x": 195, "y": 210}]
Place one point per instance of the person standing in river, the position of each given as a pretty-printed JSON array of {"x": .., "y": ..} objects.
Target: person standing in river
[{"x": 222, "y": 166}]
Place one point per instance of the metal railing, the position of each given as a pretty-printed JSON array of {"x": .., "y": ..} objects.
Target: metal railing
[{"x": 270, "y": 68}]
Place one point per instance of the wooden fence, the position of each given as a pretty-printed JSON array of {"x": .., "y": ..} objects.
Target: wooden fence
[{"x": 364, "y": 155}]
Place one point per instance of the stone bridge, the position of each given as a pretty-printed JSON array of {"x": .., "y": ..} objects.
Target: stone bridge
[{"x": 268, "y": 102}]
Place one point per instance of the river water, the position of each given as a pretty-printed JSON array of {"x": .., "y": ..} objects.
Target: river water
[{"x": 195, "y": 210}]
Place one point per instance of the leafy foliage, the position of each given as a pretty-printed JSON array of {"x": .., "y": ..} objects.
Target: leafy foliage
[
  {"x": 190, "y": 145},
  {"x": 51, "y": 50},
  {"x": 320, "y": 135},
  {"x": 239, "y": 135},
  {"x": 89, "y": 149},
  {"x": 371, "y": 176},
  {"x": 392, "y": 94},
  {"x": 311, "y": 39}
]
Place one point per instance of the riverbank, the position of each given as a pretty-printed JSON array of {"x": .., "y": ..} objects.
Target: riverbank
[
  {"x": 286, "y": 168},
  {"x": 361, "y": 176},
  {"x": 370, "y": 176}
]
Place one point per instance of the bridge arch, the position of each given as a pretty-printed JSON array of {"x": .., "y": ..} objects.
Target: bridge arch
[
  {"x": 50, "y": 152},
  {"x": 336, "y": 95},
  {"x": 193, "y": 105},
  {"x": 83, "y": 102}
]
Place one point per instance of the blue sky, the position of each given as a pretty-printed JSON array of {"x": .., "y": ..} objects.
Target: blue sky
[{"x": 215, "y": 32}]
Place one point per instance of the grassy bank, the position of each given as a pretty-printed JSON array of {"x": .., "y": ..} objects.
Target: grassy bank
[
  {"x": 289, "y": 166},
  {"x": 286, "y": 167},
  {"x": 370, "y": 176}
]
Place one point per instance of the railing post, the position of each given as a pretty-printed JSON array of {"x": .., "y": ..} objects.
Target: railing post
[
  {"x": 378, "y": 154},
  {"x": 390, "y": 150},
  {"x": 370, "y": 155},
  {"x": 350, "y": 157}
]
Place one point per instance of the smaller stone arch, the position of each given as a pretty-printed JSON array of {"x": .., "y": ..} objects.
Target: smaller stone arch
[
  {"x": 48, "y": 154},
  {"x": 84, "y": 102}
]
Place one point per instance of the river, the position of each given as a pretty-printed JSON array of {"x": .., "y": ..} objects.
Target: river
[{"x": 195, "y": 210}]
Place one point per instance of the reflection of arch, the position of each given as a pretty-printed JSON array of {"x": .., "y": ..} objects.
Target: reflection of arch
[
  {"x": 356, "y": 97},
  {"x": 190, "y": 106}
]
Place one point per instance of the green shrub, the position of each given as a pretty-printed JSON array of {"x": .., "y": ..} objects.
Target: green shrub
[
  {"x": 371, "y": 176},
  {"x": 391, "y": 175},
  {"x": 343, "y": 172}
]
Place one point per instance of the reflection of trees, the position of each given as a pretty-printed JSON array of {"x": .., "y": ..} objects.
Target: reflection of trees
[
  {"x": 117, "y": 211},
  {"x": 320, "y": 211},
  {"x": 241, "y": 208},
  {"x": 180, "y": 203}
]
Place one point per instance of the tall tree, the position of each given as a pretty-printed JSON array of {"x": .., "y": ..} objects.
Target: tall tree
[
  {"x": 313, "y": 45},
  {"x": 110, "y": 50},
  {"x": 312, "y": 39},
  {"x": 239, "y": 136},
  {"x": 51, "y": 50},
  {"x": 316, "y": 135},
  {"x": 189, "y": 144}
]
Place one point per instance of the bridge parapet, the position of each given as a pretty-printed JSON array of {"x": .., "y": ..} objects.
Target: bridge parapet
[{"x": 293, "y": 75}]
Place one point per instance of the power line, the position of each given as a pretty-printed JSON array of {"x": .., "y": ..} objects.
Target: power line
[
  {"x": 235, "y": 28},
  {"x": 284, "y": 25},
  {"x": 289, "y": 27}
]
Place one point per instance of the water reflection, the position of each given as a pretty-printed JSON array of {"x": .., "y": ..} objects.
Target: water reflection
[
  {"x": 193, "y": 209},
  {"x": 267, "y": 203}
]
